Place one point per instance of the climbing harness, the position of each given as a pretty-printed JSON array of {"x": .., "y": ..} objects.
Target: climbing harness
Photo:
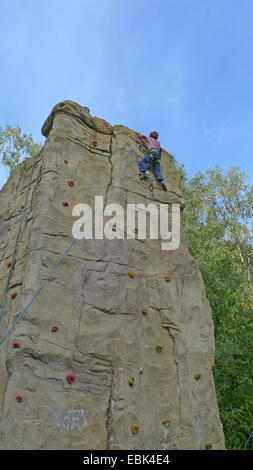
[
  {"x": 16, "y": 241},
  {"x": 64, "y": 254}
]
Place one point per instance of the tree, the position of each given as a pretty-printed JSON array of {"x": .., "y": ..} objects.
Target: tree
[
  {"x": 14, "y": 146},
  {"x": 217, "y": 221}
]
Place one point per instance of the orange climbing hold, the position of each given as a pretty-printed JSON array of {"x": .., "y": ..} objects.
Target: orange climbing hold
[
  {"x": 14, "y": 295},
  {"x": 19, "y": 398},
  {"x": 9, "y": 264},
  {"x": 71, "y": 183},
  {"x": 94, "y": 142},
  {"x": 213, "y": 366},
  {"x": 16, "y": 345},
  {"x": 70, "y": 378},
  {"x": 65, "y": 204}
]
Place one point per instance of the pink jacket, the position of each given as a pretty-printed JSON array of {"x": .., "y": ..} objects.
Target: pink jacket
[{"x": 153, "y": 144}]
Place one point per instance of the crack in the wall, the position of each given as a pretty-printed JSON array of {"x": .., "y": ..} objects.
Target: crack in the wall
[{"x": 109, "y": 414}]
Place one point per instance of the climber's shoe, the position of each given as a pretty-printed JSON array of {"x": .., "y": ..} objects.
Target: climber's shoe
[
  {"x": 145, "y": 174},
  {"x": 163, "y": 186}
]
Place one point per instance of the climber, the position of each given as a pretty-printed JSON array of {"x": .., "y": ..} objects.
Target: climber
[{"x": 153, "y": 156}]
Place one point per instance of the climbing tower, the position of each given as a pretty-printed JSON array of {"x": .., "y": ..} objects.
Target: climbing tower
[{"x": 105, "y": 344}]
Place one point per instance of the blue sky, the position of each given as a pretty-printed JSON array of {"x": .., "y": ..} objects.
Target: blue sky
[{"x": 181, "y": 67}]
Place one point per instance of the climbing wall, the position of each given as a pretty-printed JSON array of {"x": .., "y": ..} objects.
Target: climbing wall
[{"x": 117, "y": 349}]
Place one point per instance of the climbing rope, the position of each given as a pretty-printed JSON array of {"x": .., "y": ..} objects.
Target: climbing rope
[
  {"x": 64, "y": 254},
  {"x": 16, "y": 241}
]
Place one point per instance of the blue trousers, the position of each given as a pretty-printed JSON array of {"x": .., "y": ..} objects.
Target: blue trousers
[{"x": 152, "y": 157}]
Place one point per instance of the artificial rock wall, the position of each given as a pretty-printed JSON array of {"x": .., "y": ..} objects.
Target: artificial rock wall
[{"x": 100, "y": 360}]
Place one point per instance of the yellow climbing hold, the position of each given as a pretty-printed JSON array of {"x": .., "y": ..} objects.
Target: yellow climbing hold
[
  {"x": 213, "y": 366},
  {"x": 144, "y": 311},
  {"x": 167, "y": 278},
  {"x": 208, "y": 446},
  {"x": 131, "y": 381},
  {"x": 141, "y": 177},
  {"x": 197, "y": 376},
  {"x": 134, "y": 428},
  {"x": 131, "y": 273},
  {"x": 158, "y": 348},
  {"x": 136, "y": 230}
]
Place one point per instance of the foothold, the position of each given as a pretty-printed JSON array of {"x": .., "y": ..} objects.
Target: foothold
[
  {"x": 106, "y": 124},
  {"x": 141, "y": 177},
  {"x": 134, "y": 428},
  {"x": 167, "y": 278},
  {"x": 54, "y": 329},
  {"x": 16, "y": 345},
  {"x": 66, "y": 161},
  {"x": 9, "y": 229},
  {"x": 22, "y": 207},
  {"x": 197, "y": 376},
  {"x": 136, "y": 230},
  {"x": 35, "y": 165},
  {"x": 19, "y": 398},
  {"x": 166, "y": 423},
  {"x": 131, "y": 273},
  {"x": 65, "y": 204},
  {"x": 94, "y": 142},
  {"x": 14, "y": 295},
  {"x": 131, "y": 381},
  {"x": 71, "y": 183},
  {"x": 158, "y": 348},
  {"x": 208, "y": 446},
  {"x": 9, "y": 264},
  {"x": 70, "y": 378},
  {"x": 144, "y": 311},
  {"x": 213, "y": 366}
]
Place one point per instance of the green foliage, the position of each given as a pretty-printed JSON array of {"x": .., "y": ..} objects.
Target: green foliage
[
  {"x": 217, "y": 221},
  {"x": 14, "y": 146}
]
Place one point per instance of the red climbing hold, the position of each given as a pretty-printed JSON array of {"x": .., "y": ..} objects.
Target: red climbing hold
[
  {"x": 70, "y": 378},
  {"x": 65, "y": 204},
  {"x": 35, "y": 165},
  {"x": 16, "y": 345},
  {"x": 19, "y": 398},
  {"x": 71, "y": 183},
  {"x": 22, "y": 207},
  {"x": 13, "y": 295},
  {"x": 106, "y": 124},
  {"x": 54, "y": 329},
  {"x": 94, "y": 143},
  {"x": 9, "y": 264},
  {"x": 66, "y": 161},
  {"x": 9, "y": 229}
]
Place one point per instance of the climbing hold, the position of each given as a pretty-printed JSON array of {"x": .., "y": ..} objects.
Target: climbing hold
[
  {"x": 144, "y": 311},
  {"x": 9, "y": 264},
  {"x": 13, "y": 295},
  {"x": 208, "y": 445},
  {"x": 158, "y": 348},
  {"x": 66, "y": 161},
  {"x": 94, "y": 142},
  {"x": 106, "y": 124},
  {"x": 65, "y": 204},
  {"x": 167, "y": 278},
  {"x": 131, "y": 273},
  {"x": 213, "y": 366},
  {"x": 9, "y": 229},
  {"x": 166, "y": 423},
  {"x": 197, "y": 376},
  {"x": 136, "y": 230},
  {"x": 141, "y": 177},
  {"x": 71, "y": 183},
  {"x": 35, "y": 165},
  {"x": 16, "y": 345},
  {"x": 131, "y": 381},
  {"x": 134, "y": 428},
  {"x": 70, "y": 378},
  {"x": 22, "y": 207},
  {"x": 54, "y": 329},
  {"x": 19, "y": 398}
]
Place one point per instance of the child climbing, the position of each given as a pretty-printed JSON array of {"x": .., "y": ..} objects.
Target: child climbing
[{"x": 153, "y": 156}]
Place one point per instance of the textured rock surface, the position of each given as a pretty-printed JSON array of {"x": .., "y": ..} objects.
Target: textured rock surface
[{"x": 103, "y": 338}]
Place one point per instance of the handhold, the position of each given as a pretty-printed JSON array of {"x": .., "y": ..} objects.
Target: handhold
[
  {"x": 9, "y": 229},
  {"x": 158, "y": 348},
  {"x": 35, "y": 165},
  {"x": 208, "y": 446},
  {"x": 70, "y": 378},
  {"x": 136, "y": 230},
  {"x": 213, "y": 366},
  {"x": 54, "y": 329},
  {"x": 197, "y": 376},
  {"x": 167, "y": 278},
  {"x": 16, "y": 345},
  {"x": 71, "y": 183},
  {"x": 166, "y": 423},
  {"x": 131, "y": 381},
  {"x": 131, "y": 273},
  {"x": 141, "y": 177},
  {"x": 65, "y": 204},
  {"x": 144, "y": 311},
  {"x": 106, "y": 124},
  {"x": 13, "y": 295},
  {"x": 134, "y": 428},
  {"x": 19, "y": 398},
  {"x": 9, "y": 264},
  {"x": 66, "y": 161},
  {"x": 94, "y": 142},
  {"x": 22, "y": 207}
]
